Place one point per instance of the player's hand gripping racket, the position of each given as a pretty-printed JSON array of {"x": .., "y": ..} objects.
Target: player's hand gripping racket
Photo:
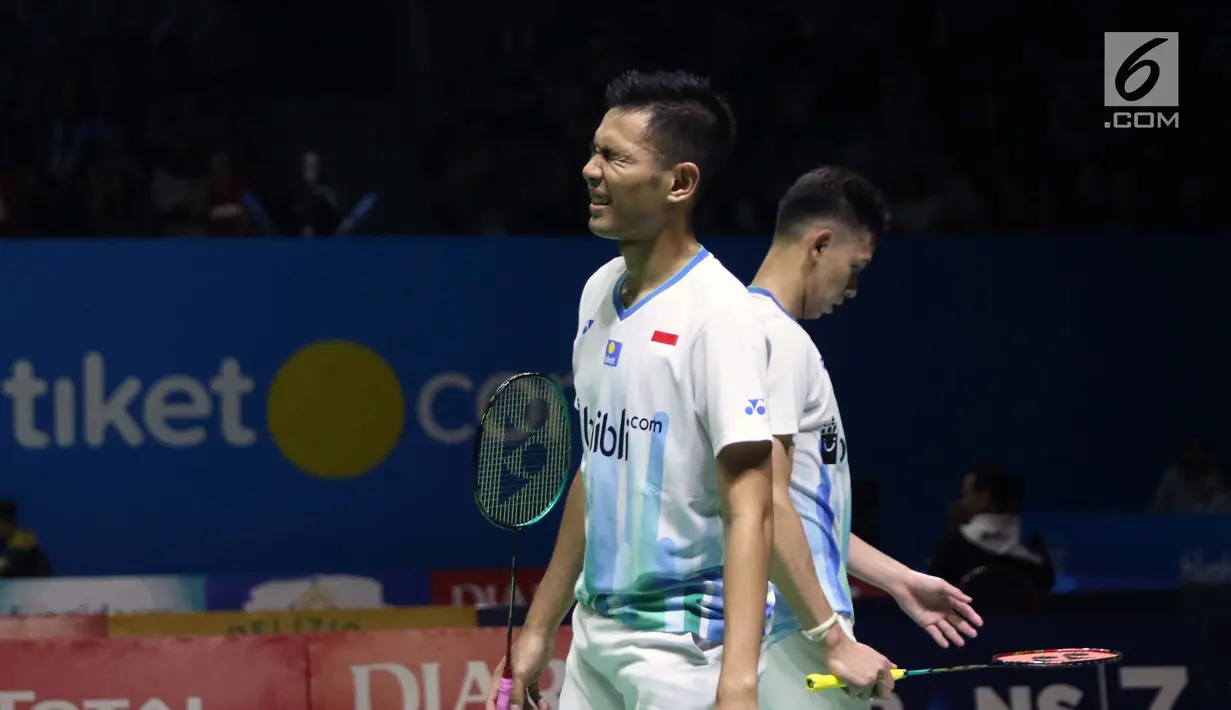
[
  {"x": 522, "y": 458},
  {"x": 1052, "y": 658}
]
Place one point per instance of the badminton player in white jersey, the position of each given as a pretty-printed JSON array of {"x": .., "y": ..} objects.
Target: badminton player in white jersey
[
  {"x": 827, "y": 227},
  {"x": 669, "y": 365}
]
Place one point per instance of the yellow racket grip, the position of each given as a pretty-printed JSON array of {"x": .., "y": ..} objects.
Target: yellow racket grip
[{"x": 820, "y": 681}]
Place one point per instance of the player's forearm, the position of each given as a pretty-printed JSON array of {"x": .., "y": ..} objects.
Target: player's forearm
[
  {"x": 749, "y": 535},
  {"x": 792, "y": 569},
  {"x": 745, "y": 588},
  {"x": 875, "y": 567},
  {"x": 791, "y": 566},
  {"x": 554, "y": 596}
]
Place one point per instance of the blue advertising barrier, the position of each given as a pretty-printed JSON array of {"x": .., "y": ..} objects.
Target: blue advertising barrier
[
  {"x": 1104, "y": 551},
  {"x": 1169, "y": 664},
  {"x": 317, "y": 591},
  {"x": 102, "y": 595},
  {"x": 277, "y": 407}
]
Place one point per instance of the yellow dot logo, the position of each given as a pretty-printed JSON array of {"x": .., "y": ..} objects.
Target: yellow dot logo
[
  {"x": 610, "y": 347},
  {"x": 335, "y": 409}
]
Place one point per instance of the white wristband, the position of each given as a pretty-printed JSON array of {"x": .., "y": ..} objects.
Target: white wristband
[{"x": 819, "y": 632}]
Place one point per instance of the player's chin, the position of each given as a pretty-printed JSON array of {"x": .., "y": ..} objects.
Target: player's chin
[{"x": 602, "y": 226}]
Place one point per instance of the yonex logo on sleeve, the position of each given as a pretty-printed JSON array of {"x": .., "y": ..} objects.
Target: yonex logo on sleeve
[
  {"x": 586, "y": 328},
  {"x": 755, "y": 405},
  {"x": 612, "y": 356}
]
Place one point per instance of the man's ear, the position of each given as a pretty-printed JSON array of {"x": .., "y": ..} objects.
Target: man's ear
[{"x": 685, "y": 181}]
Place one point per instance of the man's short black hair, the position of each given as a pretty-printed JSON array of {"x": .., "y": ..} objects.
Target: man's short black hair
[
  {"x": 688, "y": 121},
  {"x": 832, "y": 192},
  {"x": 1001, "y": 487},
  {"x": 8, "y": 511}
]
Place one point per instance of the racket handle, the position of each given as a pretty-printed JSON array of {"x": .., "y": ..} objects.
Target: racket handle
[
  {"x": 502, "y": 696},
  {"x": 820, "y": 681}
]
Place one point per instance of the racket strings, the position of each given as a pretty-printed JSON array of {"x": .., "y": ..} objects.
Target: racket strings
[
  {"x": 1058, "y": 657},
  {"x": 524, "y": 452}
]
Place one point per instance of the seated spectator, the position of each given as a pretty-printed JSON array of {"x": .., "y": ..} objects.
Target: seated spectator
[
  {"x": 314, "y": 210},
  {"x": 1195, "y": 483},
  {"x": 983, "y": 551},
  {"x": 20, "y": 553},
  {"x": 223, "y": 206}
]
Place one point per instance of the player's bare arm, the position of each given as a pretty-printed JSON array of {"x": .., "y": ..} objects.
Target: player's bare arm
[
  {"x": 941, "y": 609},
  {"x": 791, "y": 565},
  {"x": 791, "y": 568},
  {"x": 744, "y": 478},
  {"x": 875, "y": 567},
  {"x": 554, "y": 596}
]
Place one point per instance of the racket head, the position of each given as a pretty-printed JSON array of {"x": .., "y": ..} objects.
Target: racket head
[
  {"x": 1057, "y": 658},
  {"x": 523, "y": 452}
]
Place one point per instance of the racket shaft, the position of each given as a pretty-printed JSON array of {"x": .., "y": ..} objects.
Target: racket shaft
[{"x": 821, "y": 681}]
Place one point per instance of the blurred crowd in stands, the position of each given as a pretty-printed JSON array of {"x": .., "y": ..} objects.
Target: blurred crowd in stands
[{"x": 160, "y": 118}]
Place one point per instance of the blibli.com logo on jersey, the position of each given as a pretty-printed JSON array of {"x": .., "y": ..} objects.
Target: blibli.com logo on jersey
[{"x": 607, "y": 434}]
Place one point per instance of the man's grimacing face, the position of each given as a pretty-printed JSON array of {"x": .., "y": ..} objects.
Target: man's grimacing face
[{"x": 628, "y": 191}]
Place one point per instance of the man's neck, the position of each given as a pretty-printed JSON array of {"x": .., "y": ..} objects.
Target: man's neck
[
  {"x": 651, "y": 262},
  {"x": 780, "y": 275}
]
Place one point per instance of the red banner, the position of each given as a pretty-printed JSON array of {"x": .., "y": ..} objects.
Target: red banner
[
  {"x": 65, "y": 626},
  {"x": 215, "y": 673},
  {"x": 859, "y": 589},
  {"x": 479, "y": 587},
  {"x": 414, "y": 670}
]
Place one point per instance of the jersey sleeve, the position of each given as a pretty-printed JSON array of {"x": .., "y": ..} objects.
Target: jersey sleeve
[
  {"x": 728, "y": 363},
  {"x": 583, "y": 309},
  {"x": 577, "y": 341},
  {"x": 786, "y": 382}
]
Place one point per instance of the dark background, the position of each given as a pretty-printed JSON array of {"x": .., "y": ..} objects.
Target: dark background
[{"x": 976, "y": 118}]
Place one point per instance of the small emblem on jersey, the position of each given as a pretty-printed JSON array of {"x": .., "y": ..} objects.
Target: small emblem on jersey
[
  {"x": 586, "y": 328},
  {"x": 755, "y": 406},
  {"x": 829, "y": 441},
  {"x": 612, "y": 356},
  {"x": 664, "y": 338}
]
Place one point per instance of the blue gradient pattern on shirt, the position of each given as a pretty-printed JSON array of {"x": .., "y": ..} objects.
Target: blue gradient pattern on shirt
[
  {"x": 828, "y": 538},
  {"x": 638, "y": 568}
]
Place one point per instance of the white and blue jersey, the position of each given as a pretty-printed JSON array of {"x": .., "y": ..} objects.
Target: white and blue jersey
[
  {"x": 662, "y": 387},
  {"x": 802, "y": 405}
]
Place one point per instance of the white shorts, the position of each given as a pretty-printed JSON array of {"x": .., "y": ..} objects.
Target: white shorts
[
  {"x": 613, "y": 667},
  {"x": 788, "y": 661}
]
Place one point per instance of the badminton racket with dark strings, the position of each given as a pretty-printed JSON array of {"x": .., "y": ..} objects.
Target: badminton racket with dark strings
[
  {"x": 522, "y": 459},
  {"x": 1050, "y": 658}
]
